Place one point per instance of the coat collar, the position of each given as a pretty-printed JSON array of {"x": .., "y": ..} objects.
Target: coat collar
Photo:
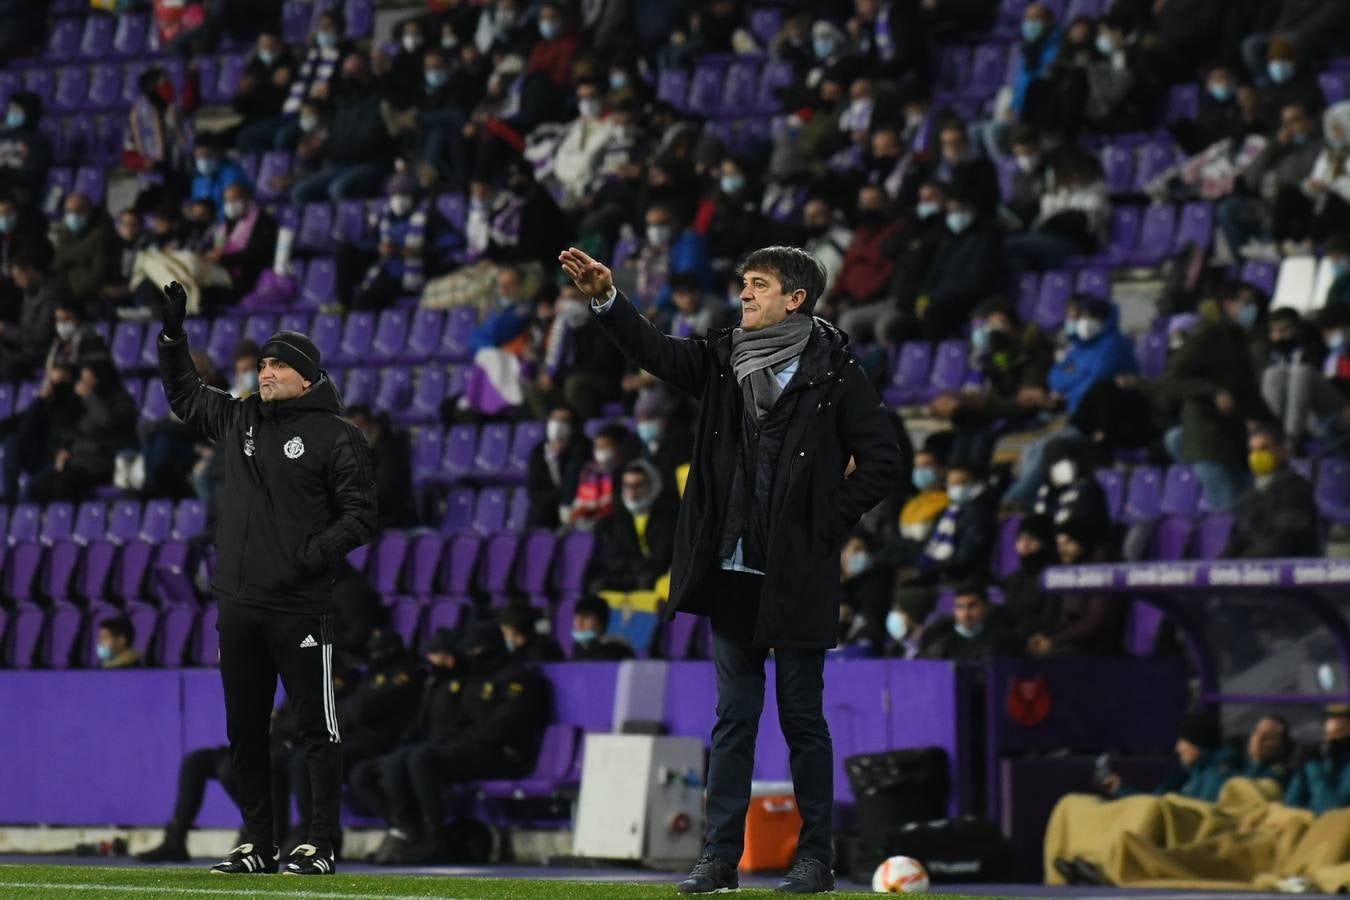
[{"x": 824, "y": 354}]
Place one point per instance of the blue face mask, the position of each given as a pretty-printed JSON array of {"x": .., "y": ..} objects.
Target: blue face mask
[
  {"x": 326, "y": 39},
  {"x": 926, "y": 209},
  {"x": 583, "y": 637},
  {"x": 549, "y": 29},
  {"x": 960, "y": 493},
  {"x": 618, "y": 81},
  {"x": 958, "y": 222},
  {"x": 1105, "y": 46},
  {"x": 896, "y": 626},
  {"x": 267, "y": 57},
  {"x": 968, "y": 632},
  {"x": 1246, "y": 316},
  {"x": 858, "y": 563},
  {"x": 1299, "y": 139},
  {"x": 1032, "y": 29},
  {"x": 510, "y": 647},
  {"x": 8, "y": 224},
  {"x": 1221, "y": 92},
  {"x": 1339, "y": 267},
  {"x": 822, "y": 47},
  {"x": 206, "y": 166},
  {"x": 1336, "y": 340},
  {"x": 979, "y": 338},
  {"x": 13, "y": 118},
  {"x": 74, "y": 221},
  {"x": 437, "y": 78},
  {"x": 1280, "y": 70},
  {"x": 104, "y": 652},
  {"x": 649, "y": 432},
  {"x": 732, "y": 184},
  {"x": 924, "y": 478}
]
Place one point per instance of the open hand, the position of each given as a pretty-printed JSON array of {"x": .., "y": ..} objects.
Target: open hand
[{"x": 591, "y": 278}]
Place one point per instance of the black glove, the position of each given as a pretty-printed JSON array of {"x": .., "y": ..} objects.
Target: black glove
[{"x": 173, "y": 310}]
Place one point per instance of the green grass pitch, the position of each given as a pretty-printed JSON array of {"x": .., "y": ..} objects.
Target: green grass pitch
[{"x": 113, "y": 883}]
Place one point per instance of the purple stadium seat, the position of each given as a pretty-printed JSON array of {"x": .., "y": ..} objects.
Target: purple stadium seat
[
  {"x": 274, "y": 164},
  {"x": 1260, "y": 274},
  {"x": 534, "y": 562},
  {"x": 489, "y": 511},
  {"x": 205, "y": 649},
  {"x": 295, "y": 16},
  {"x": 1195, "y": 225},
  {"x": 406, "y": 616},
  {"x": 258, "y": 328},
  {"x": 683, "y": 637},
  {"x": 58, "y": 646},
  {"x": 1183, "y": 102},
  {"x": 1143, "y": 496},
  {"x": 1123, "y": 234},
  {"x": 1150, "y": 348},
  {"x": 458, "y": 511},
  {"x": 422, "y": 563},
  {"x": 705, "y": 90},
  {"x": 1118, "y": 163},
  {"x": 394, "y": 389},
  {"x": 424, "y": 336},
  {"x": 189, "y": 520},
  {"x": 220, "y": 345},
  {"x": 742, "y": 83},
  {"x": 1056, "y": 287},
  {"x": 358, "y": 387},
  {"x": 1005, "y": 550},
  {"x": 426, "y": 454},
  {"x": 154, "y": 404},
  {"x": 494, "y": 572},
  {"x": 672, "y": 86},
  {"x": 175, "y": 634},
  {"x": 18, "y": 580},
  {"x": 208, "y": 77},
  {"x": 518, "y": 515},
  {"x": 391, "y": 334},
  {"x": 315, "y": 234},
  {"x": 1112, "y": 483},
  {"x": 953, "y": 66},
  {"x": 25, "y": 523},
  {"x": 6, "y": 401},
  {"x": 41, "y": 81},
  {"x": 359, "y": 557},
  {"x": 1155, "y": 234},
  {"x": 197, "y": 330},
  {"x": 64, "y": 40},
  {"x": 1028, "y": 291},
  {"x": 326, "y": 333},
  {"x": 764, "y": 24},
  {"x": 1154, "y": 159},
  {"x": 57, "y": 520},
  {"x": 1211, "y": 538},
  {"x": 1180, "y": 493},
  {"x": 126, "y": 345},
  {"x": 360, "y": 16},
  {"x": 1333, "y": 86},
  {"x": 130, "y": 36},
  {"x": 460, "y": 443},
  {"x": 1332, "y": 489},
  {"x": 459, "y": 327},
  {"x": 89, "y": 180},
  {"x": 124, "y": 521},
  {"x": 951, "y": 368},
  {"x": 386, "y": 562},
  {"x": 494, "y": 445},
  {"x": 156, "y": 521},
  {"x": 351, "y": 225},
  {"x": 776, "y": 76},
  {"x": 562, "y": 623},
  {"x": 72, "y": 85},
  {"x": 27, "y": 393},
  {"x": 227, "y": 78},
  {"x": 91, "y": 522},
  {"x": 458, "y": 564},
  {"x": 1171, "y": 538},
  {"x": 909, "y": 378},
  {"x": 58, "y": 577},
  {"x": 96, "y": 41},
  {"x": 295, "y": 321},
  {"x": 988, "y": 64},
  {"x": 427, "y": 394},
  {"x": 574, "y": 555},
  {"x": 452, "y": 208},
  {"x": 1096, "y": 282},
  {"x": 446, "y": 613},
  {"x": 527, "y": 436}
]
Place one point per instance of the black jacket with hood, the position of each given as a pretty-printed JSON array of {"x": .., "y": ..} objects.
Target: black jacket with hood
[{"x": 298, "y": 493}]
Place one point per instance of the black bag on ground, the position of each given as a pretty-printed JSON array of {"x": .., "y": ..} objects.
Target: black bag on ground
[
  {"x": 896, "y": 787},
  {"x": 968, "y": 849}
]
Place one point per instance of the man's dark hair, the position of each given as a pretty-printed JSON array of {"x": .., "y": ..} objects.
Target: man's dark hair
[
  {"x": 519, "y": 617},
  {"x": 119, "y": 626},
  {"x": 683, "y": 281},
  {"x": 70, "y": 305},
  {"x": 616, "y": 432},
  {"x": 971, "y": 589},
  {"x": 795, "y": 269},
  {"x": 592, "y": 605},
  {"x": 1337, "y": 243},
  {"x": 1286, "y": 314},
  {"x": 35, "y": 255}
]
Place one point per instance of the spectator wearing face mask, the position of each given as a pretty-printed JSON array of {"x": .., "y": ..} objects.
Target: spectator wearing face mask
[
  {"x": 967, "y": 269},
  {"x": 1224, "y": 111},
  {"x": 859, "y": 634},
  {"x": 1321, "y": 207},
  {"x": 729, "y": 218},
  {"x": 1071, "y": 491},
  {"x": 1290, "y": 81},
  {"x": 403, "y": 236},
  {"x": 1279, "y": 517},
  {"x": 906, "y": 621},
  {"x": 975, "y": 632},
  {"x": 1292, "y": 385},
  {"x": 1308, "y": 26},
  {"x": 25, "y": 152},
  {"x": 594, "y": 498},
  {"x": 575, "y": 363},
  {"x": 590, "y": 643},
  {"x": 401, "y": 78},
  {"x": 157, "y": 137},
  {"x": 667, "y": 442},
  {"x": 826, "y": 237},
  {"x": 1322, "y": 781},
  {"x": 693, "y": 313},
  {"x": 636, "y": 541},
  {"x": 867, "y": 587},
  {"x": 857, "y": 302},
  {"x": 1337, "y": 252},
  {"x": 263, "y": 89},
  {"x": 244, "y": 242},
  {"x": 75, "y": 342},
  {"x": 578, "y": 156},
  {"x": 1074, "y": 213},
  {"x": 447, "y": 90},
  {"x": 104, "y": 423},
  {"x": 1334, "y": 321},
  {"x": 314, "y": 81},
  {"x": 115, "y": 647},
  {"x": 1078, "y": 624},
  {"x": 23, "y": 342},
  {"x": 87, "y": 254},
  {"x": 213, "y": 171},
  {"x": 922, "y": 510},
  {"x": 520, "y": 634},
  {"x": 359, "y": 149},
  {"x": 668, "y": 249},
  {"x": 1024, "y": 601},
  {"x": 554, "y": 469},
  {"x": 959, "y": 545},
  {"x": 18, "y": 225},
  {"x": 1247, "y": 217}
]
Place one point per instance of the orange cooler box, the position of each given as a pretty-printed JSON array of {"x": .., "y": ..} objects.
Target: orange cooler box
[{"x": 771, "y": 827}]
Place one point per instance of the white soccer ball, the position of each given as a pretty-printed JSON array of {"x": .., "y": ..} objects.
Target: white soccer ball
[{"x": 900, "y": 875}]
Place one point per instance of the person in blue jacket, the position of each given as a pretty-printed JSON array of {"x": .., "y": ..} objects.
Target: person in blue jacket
[
  {"x": 1322, "y": 782},
  {"x": 213, "y": 172},
  {"x": 1097, "y": 351}
]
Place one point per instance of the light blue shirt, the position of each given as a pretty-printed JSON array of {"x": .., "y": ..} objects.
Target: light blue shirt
[{"x": 784, "y": 375}]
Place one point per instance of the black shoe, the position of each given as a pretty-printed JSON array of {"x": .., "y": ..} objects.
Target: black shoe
[
  {"x": 1088, "y": 873},
  {"x": 248, "y": 859},
  {"x": 173, "y": 849},
  {"x": 308, "y": 859},
  {"x": 710, "y": 875},
  {"x": 430, "y": 848},
  {"x": 807, "y": 876},
  {"x": 1066, "y": 871}
]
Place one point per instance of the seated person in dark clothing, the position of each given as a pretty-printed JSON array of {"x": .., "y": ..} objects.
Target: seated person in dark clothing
[
  {"x": 666, "y": 440},
  {"x": 1079, "y": 624},
  {"x": 25, "y": 338},
  {"x": 391, "y": 458},
  {"x": 116, "y": 644},
  {"x": 866, "y": 586},
  {"x": 960, "y": 544},
  {"x": 1322, "y": 781},
  {"x": 359, "y": 612},
  {"x": 245, "y": 243},
  {"x": 551, "y": 480},
  {"x": 105, "y": 423},
  {"x": 966, "y": 270},
  {"x": 520, "y": 630},
  {"x": 859, "y": 635},
  {"x": 906, "y": 622},
  {"x": 1279, "y": 517},
  {"x": 637, "y": 540},
  {"x": 1071, "y": 490},
  {"x": 590, "y": 621},
  {"x": 1024, "y": 602},
  {"x": 976, "y": 631}
]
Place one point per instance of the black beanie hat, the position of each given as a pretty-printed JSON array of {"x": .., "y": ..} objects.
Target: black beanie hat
[
  {"x": 1041, "y": 527},
  {"x": 296, "y": 350},
  {"x": 443, "y": 641},
  {"x": 1201, "y": 730}
]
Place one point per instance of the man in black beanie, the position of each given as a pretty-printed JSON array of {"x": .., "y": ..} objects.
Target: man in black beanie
[{"x": 299, "y": 495}]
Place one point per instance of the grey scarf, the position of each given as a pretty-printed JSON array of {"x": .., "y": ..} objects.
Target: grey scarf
[{"x": 756, "y": 354}]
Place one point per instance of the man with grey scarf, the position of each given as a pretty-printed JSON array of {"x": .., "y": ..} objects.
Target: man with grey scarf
[{"x": 793, "y": 445}]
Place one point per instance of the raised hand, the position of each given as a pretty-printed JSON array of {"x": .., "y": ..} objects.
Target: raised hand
[
  {"x": 173, "y": 310},
  {"x": 591, "y": 278}
]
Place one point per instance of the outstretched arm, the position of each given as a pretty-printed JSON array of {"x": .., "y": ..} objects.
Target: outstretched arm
[
  {"x": 210, "y": 410},
  {"x": 682, "y": 363}
]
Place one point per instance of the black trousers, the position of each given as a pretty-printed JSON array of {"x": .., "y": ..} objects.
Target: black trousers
[
  {"x": 406, "y": 787},
  {"x": 257, "y": 645},
  {"x": 800, "y": 683}
]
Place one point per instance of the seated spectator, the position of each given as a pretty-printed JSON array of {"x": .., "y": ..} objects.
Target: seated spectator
[
  {"x": 1078, "y": 624},
  {"x": 1039, "y": 46},
  {"x": 590, "y": 643},
  {"x": 20, "y": 223},
  {"x": 1322, "y": 782},
  {"x": 157, "y": 138},
  {"x": 497, "y": 380},
  {"x": 402, "y": 76},
  {"x": 667, "y": 442},
  {"x": 669, "y": 248},
  {"x": 244, "y": 244},
  {"x": 1225, "y": 110},
  {"x": 1024, "y": 602},
  {"x": 580, "y": 154},
  {"x": 1074, "y": 213},
  {"x": 391, "y": 461},
  {"x": 966, "y": 269},
  {"x": 1334, "y": 321},
  {"x": 358, "y": 151},
  {"x": 105, "y": 424},
  {"x": 75, "y": 343},
  {"x": 1321, "y": 207},
  {"x": 1247, "y": 218},
  {"x": 826, "y": 237},
  {"x": 525, "y": 643},
  {"x": 554, "y": 469},
  {"x": 921, "y": 511},
  {"x": 578, "y": 364},
  {"x": 693, "y": 312},
  {"x": 312, "y": 82},
  {"x": 25, "y": 152},
  {"x": 858, "y": 634},
  {"x": 1097, "y": 352},
  {"x": 905, "y": 623},
  {"x": 1103, "y": 87},
  {"x": 867, "y": 587},
  {"x": 1279, "y": 517},
  {"x": 729, "y": 218},
  {"x": 1292, "y": 384},
  {"x": 1308, "y": 26},
  {"x": 975, "y": 631},
  {"x": 858, "y": 302},
  {"x": 594, "y": 498},
  {"x": 636, "y": 541},
  {"x": 393, "y": 262},
  {"x": 1071, "y": 490},
  {"x": 86, "y": 249},
  {"x": 1204, "y": 764},
  {"x": 244, "y": 378},
  {"x": 213, "y": 171},
  {"x": 263, "y": 89},
  {"x": 1290, "y": 81},
  {"x": 116, "y": 637},
  {"x": 24, "y": 342},
  {"x": 1269, "y": 751},
  {"x": 967, "y": 174},
  {"x": 960, "y": 543},
  {"x": 1031, "y": 179},
  {"x": 1337, "y": 252}
]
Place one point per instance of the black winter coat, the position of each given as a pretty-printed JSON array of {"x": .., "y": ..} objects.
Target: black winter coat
[
  {"x": 298, "y": 493},
  {"x": 813, "y": 506},
  {"x": 619, "y": 563}
]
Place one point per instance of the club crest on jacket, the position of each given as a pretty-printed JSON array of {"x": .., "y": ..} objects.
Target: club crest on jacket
[{"x": 295, "y": 448}]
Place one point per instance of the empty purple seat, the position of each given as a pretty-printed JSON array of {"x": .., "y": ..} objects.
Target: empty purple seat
[
  {"x": 129, "y": 38},
  {"x": 22, "y": 562},
  {"x": 394, "y": 389},
  {"x": 156, "y": 520},
  {"x": 1332, "y": 489},
  {"x": 427, "y": 393},
  {"x": 528, "y": 435},
  {"x": 494, "y": 571},
  {"x": 1118, "y": 164},
  {"x": 1096, "y": 282},
  {"x": 489, "y": 511},
  {"x": 426, "y": 454},
  {"x": 1211, "y": 538},
  {"x": 1123, "y": 234},
  {"x": 776, "y": 76},
  {"x": 89, "y": 180},
  {"x": 741, "y": 86},
  {"x": 1056, "y": 288},
  {"x": 1150, "y": 348},
  {"x": 1261, "y": 275},
  {"x": 275, "y": 164},
  {"x": 91, "y": 521},
  {"x": 1028, "y": 293},
  {"x": 458, "y": 511},
  {"x": 461, "y": 441},
  {"x": 220, "y": 345},
  {"x": 518, "y": 514},
  {"x": 358, "y": 387},
  {"x": 764, "y": 24},
  {"x": 1333, "y": 86},
  {"x": 1195, "y": 225},
  {"x": 1171, "y": 538},
  {"x": 953, "y": 66},
  {"x": 706, "y": 88},
  {"x": 494, "y": 445},
  {"x": 1143, "y": 496},
  {"x": 295, "y": 321},
  {"x": 683, "y": 637},
  {"x": 227, "y": 77},
  {"x": 25, "y": 524},
  {"x": 672, "y": 86},
  {"x": 951, "y": 367},
  {"x": 574, "y": 555},
  {"x": 126, "y": 345},
  {"x": 258, "y": 328},
  {"x": 350, "y": 224},
  {"x": 1113, "y": 486},
  {"x": 1005, "y": 558},
  {"x": 357, "y": 335},
  {"x": 205, "y": 648},
  {"x": 1154, "y": 159},
  {"x": 72, "y": 85},
  {"x": 452, "y": 208},
  {"x": 57, "y": 520},
  {"x": 176, "y": 625},
  {"x": 189, "y": 519},
  {"x": 459, "y": 564},
  {"x": 1155, "y": 234},
  {"x": 391, "y": 334},
  {"x": 96, "y": 42},
  {"x": 64, "y": 40},
  {"x": 320, "y": 284},
  {"x": 315, "y": 234},
  {"x": 1180, "y": 492},
  {"x": 446, "y": 612},
  {"x": 27, "y": 393},
  {"x": 988, "y": 64},
  {"x": 909, "y": 378},
  {"x": 124, "y": 521},
  {"x": 459, "y": 327},
  {"x": 424, "y": 335},
  {"x": 533, "y": 563},
  {"x": 197, "y": 329},
  {"x": 295, "y": 15},
  {"x": 326, "y": 333},
  {"x": 386, "y": 562},
  {"x": 422, "y": 564}
]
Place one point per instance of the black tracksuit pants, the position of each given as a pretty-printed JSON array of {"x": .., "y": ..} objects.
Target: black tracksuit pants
[{"x": 256, "y": 646}]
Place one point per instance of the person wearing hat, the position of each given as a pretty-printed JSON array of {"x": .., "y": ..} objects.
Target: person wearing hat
[
  {"x": 1024, "y": 602},
  {"x": 1079, "y": 624},
  {"x": 520, "y": 633},
  {"x": 298, "y": 496}
]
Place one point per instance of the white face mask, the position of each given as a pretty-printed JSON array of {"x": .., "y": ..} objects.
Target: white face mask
[
  {"x": 400, "y": 205},
  {"x": 1062, "y": 473},
  {"x": 896, "y": 626},
  {"x": 234, "y": 209},
  {"x": 1087, "y": 329},
  {"x": 604, "y": 458},
  {"x": 637, "y": 506},
  {"x": 658, "y": 235},
  {"x": 558, "y": 431},
  {"x": 65, "y": 330},
  {"x": 411, "y": 42},
  {"x": 1027, "y": 164},
  {"x": 589, "y": 108}
]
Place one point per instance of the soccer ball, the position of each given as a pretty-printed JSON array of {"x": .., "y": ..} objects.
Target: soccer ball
[{"x": 900, "y": 875}]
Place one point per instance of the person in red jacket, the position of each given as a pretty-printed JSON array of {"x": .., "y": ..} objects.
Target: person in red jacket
[{"x": 859, "y": 298}]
